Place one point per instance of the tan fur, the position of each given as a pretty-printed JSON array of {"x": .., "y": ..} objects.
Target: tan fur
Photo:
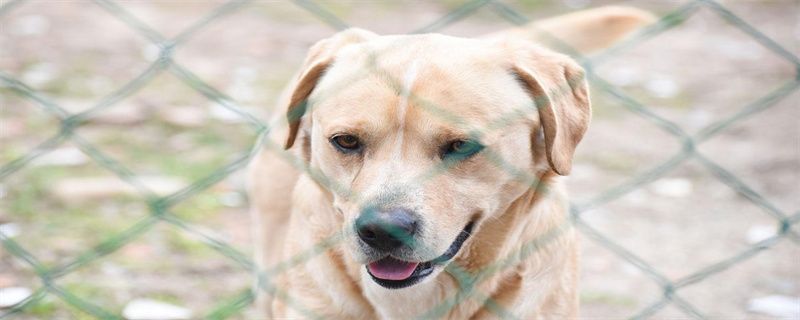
[
  {"x": 585, "y": 31},
  {"x": 405, "y": 97}
]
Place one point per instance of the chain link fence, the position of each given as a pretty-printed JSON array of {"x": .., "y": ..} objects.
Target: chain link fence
[{"x": 161, "y": 207}]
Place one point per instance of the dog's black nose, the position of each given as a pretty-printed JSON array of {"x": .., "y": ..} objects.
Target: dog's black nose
[{"x": 386, "y": 230}]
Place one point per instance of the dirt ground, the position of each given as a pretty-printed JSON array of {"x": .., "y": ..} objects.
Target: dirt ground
[{"x": 76, "y": 54}]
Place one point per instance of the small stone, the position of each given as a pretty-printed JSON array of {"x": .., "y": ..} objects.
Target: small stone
[
  {"x": 596, "y": 216},
  {"x": 740, "y": 50},
  {"x": 244, "y": 75},
  {"x": 120, "y": 114},
  {"x": 759, "y": 233},
  {"x": 776, "y": 306},
  {"x": 112, "y": 269},
  {"x": 184, "y": 116},
  {"x": 163, "y": 185},
  {"x": 13, "y": 295},
  {"x": 241, "y": 91},
  {"x": 631, "y": 270},
  {"x": 147, "y": 309},
  {"x": 62, "y": 157},
  {"x": 232, "y": 199},
  {"x": 586, "y": 171},
  {"x": 662, "y": 87},
  {"x": 87, "y": 188},
  {"x": 151, "y": 52},
  {"x": 10, "y": 230},
  {"x": 224, "y": 114},
  {"x": 699, "y": 118},
  {"x": 31, "y": 25},
  {"x": 39, "y": 74},
  {"x": 76, "y": 105},
  {"x": 672, "y": 187},
  {"x": 99, "y": 85},
  {"x": 637, "y": 197},
  {"x": 625, "y": 76}
]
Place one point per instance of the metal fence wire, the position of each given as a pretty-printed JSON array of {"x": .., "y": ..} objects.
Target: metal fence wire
[{"x": 160, "y": 207}]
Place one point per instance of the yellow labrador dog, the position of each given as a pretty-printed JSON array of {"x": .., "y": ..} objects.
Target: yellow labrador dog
[{"x": 420, "y": 176}]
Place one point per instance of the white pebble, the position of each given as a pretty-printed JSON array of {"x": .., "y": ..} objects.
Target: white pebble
[
  {"x": 10, "y": 230},
  {"x": 232, "y": 199},
  {"x": 759, "y": 233},
  {"x": 62, "y": 157},
  {"x": 147, "y": 309},
  {"x": 31, "y": 25},
  {"x": 13, "y": 295},
  {"x": 219, "y": 112},
  {"x": 151, "y": 52},
  {"x": 93, "y": 188},
  {"x": 672, "y": 187},
  {"x": 776, "y": 306},
  {"x": 662, "y": 87},
  {"x": 624, "y": 76},
  {"x": 39, "y": 74}
]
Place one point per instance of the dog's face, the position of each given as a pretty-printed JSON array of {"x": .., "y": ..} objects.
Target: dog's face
[{"x": 419, "y": 140}]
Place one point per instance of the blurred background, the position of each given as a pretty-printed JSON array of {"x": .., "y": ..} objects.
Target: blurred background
[{"x": 136, "y": 206}]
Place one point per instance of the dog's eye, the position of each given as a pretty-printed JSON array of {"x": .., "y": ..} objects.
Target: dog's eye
[
  {"x": 461, "y": 149},
  {"x": 346, "y": 143}
]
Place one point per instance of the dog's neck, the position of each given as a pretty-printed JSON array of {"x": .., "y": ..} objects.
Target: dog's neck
[{"x": 490, "y": 262}]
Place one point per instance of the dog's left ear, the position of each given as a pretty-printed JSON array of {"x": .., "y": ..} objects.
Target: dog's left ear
[{"x": 559, "y": 89}]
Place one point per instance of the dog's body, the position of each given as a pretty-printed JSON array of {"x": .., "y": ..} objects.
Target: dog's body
[{"x": 404, "y": 142}]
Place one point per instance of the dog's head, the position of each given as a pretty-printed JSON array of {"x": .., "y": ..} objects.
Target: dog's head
[{"x": 419, "y": 139}]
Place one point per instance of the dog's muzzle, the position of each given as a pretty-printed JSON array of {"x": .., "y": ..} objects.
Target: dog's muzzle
[{"x": 392, "y": 273}]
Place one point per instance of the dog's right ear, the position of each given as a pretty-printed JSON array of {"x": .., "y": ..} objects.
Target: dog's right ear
[
  {"x": 319, "y": 59},
  {"x": 560, "y": 92}
]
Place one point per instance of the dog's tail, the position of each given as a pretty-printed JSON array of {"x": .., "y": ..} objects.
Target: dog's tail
[{"x": 586, "y": 31}]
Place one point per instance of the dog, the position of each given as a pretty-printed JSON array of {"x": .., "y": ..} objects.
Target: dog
[{"x": 418, "y": 175}]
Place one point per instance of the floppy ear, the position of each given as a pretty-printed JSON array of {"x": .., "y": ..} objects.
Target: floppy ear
[
  {"x": 319, "y": 59},
  {"x": 559, "y": 89}
]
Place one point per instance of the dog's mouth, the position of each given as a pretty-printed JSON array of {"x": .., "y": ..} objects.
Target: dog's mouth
[{"x": 393, "y": 273}]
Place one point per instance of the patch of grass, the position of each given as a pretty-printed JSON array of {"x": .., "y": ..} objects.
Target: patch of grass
[
  {"x": 199, "y": 207},
  {"x": 191, "y": 170},
  {"x": 53, "y": 308},
  {"x": 94, "y": 294},
  {"x": 340, "y": 8},
  {"x": 536, "y": 4},
  {"x": 44, "y": 309},
  {"x": 607, "y": 298},
  {"x": 614, "y": 162},
  {"x": 27, "y": 199},
  {"x": 606, "y": 107},
  {"x": 178, "y": 242},
  {"x": 57, "y": 231},
  {"x": 209, "y": 149},
  {"x": 681, "y": 101},
  {"x": 73, "y": 82},
  {"x": 77, "y": 314},
  {"x": 165, "y": 297},
  {"x": 11, "y": 152},
  {"x": 37, "y": 125}
]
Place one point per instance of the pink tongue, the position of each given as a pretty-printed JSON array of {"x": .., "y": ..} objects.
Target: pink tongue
[{"x": 392, "y": 269}]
